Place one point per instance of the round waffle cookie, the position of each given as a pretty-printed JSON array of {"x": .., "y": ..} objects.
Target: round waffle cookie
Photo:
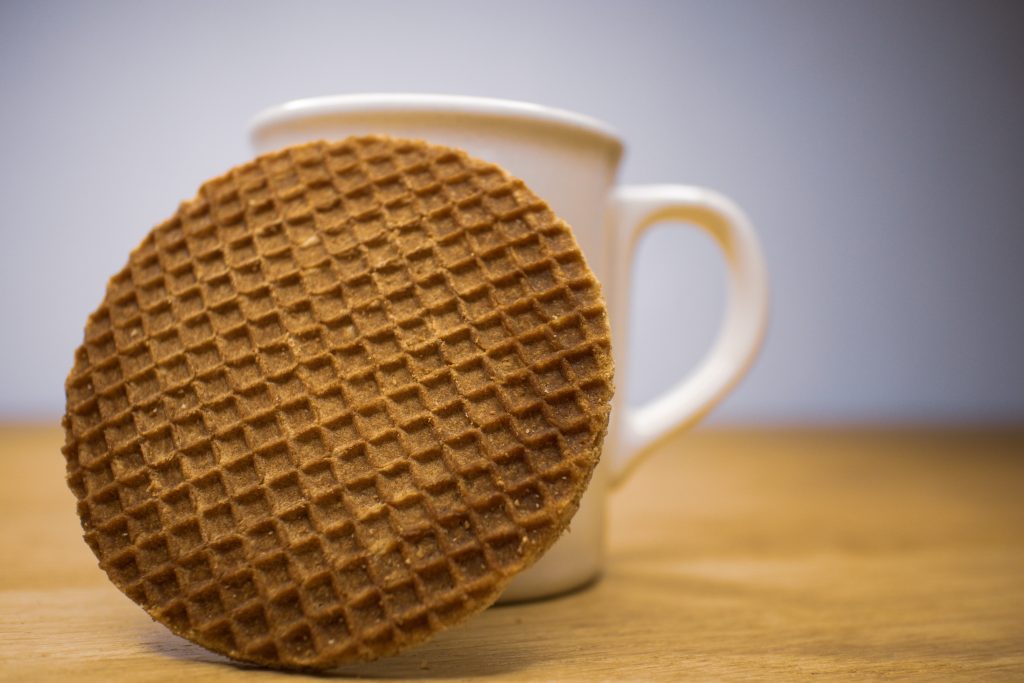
[{"x": 337, "y": 401}]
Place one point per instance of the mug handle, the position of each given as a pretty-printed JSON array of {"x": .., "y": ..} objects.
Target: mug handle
[{"x": 632, "y": 212}]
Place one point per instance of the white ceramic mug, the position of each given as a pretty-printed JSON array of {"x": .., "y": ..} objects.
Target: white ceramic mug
[{"x": 570, "y": 160}]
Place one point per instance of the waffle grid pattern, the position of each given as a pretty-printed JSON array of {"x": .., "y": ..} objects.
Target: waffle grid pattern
[{"x": 337, "y": 401}]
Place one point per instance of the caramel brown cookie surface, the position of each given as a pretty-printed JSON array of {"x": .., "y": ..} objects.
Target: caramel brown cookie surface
[{"x": 337, "y": 401}]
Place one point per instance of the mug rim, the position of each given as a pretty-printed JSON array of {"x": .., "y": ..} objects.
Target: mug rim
[{"x": 491, "y": 107}]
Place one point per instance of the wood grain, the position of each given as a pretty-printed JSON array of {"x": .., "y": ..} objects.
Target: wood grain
[{"x": 755, "y": 555}]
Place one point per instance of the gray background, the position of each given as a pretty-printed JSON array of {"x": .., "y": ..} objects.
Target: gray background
[{"x": 878, "y": 146}]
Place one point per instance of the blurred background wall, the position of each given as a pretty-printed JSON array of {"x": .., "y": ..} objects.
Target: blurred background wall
[{"x": 878, "y": 147}]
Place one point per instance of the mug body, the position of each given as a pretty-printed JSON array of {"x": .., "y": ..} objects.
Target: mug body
[{"x": 568, "y": 159}]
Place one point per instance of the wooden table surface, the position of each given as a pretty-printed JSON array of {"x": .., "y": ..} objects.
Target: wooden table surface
[{"x": 743, "y": 555}]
